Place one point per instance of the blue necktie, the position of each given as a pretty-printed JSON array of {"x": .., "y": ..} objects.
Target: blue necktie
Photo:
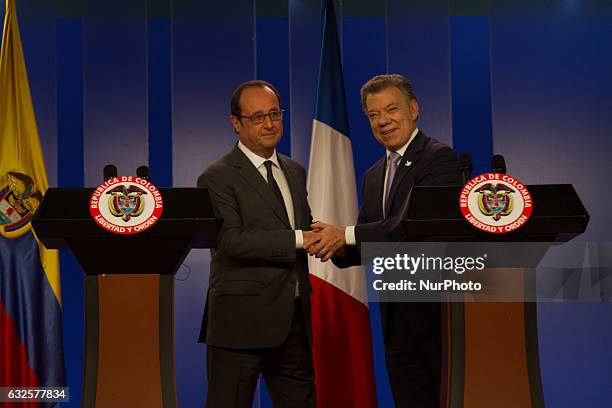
[{"x": 394, "y": 159}]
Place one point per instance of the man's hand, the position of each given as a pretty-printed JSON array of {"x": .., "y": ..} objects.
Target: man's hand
[
  {"x": 310, "y": 239},
  {"x": 329, "y": 241}
]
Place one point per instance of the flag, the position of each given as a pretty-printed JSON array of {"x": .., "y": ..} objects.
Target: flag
[
  {"x": 342, "y": 349},
  {"x": 31, "y": 345}
]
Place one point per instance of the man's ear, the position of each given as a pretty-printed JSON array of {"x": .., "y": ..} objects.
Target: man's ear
[
  {"x": 235, "y": 123},
  {"x": 414, "y": 109}
]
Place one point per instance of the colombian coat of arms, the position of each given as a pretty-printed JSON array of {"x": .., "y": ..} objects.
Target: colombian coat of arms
[
  {"x": 126, "y": 205},
  {"x": 495, "y": 202},
  {"x": 19, "y": 199}
]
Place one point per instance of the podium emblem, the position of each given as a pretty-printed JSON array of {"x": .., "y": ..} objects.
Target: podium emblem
[
  {"x": 495, "y": 200},
  {"x": 126, "y": 205},
  {"x": 126, "y": 201},
  {"x": 496, "y": 203},
  {"x": 19, "y": 199}
]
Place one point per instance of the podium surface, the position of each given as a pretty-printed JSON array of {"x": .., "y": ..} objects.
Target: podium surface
[
  {"x": 490, "y": 349},
  {"x": 129, "y": 285}
]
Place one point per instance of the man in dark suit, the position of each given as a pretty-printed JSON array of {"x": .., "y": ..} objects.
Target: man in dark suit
[
  {"x": 257, "y": 316},
  {"x": 411, "y": 330}
]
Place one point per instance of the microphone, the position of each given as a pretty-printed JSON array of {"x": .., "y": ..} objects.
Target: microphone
[
  {"x": 110, "y": 171},
  {"x": 143, "y": 172},
  {"x": 465, "y": 167},
  {"x": 498, "y": 164}
]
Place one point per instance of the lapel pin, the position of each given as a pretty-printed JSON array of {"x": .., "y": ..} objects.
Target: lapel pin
[{"x": 408, "y": 163}]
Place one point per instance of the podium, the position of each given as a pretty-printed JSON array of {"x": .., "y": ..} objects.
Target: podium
[
  {"x": 129, "y": 285},
  {"x": 490, "y": 351}
]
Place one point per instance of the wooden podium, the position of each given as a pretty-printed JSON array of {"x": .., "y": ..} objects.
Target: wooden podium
[
  {"x": 129, "y": 284},
  {"x": 490, "y": 349}
]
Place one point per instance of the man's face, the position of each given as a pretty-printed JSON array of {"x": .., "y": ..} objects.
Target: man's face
[
  {"x": 260, "y": 138},
  {"x": 392, "y": 117}
]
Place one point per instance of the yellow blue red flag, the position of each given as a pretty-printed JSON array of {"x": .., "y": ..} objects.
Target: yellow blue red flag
[{"x": 31, "y": 345}]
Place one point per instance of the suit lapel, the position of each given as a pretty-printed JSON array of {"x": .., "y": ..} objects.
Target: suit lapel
[
  {"x": 293, "y": 181},
  {"x": 255, "y": 180},
  {"x": 407, "y": 163},
  {"x": 378, "y": 175}
]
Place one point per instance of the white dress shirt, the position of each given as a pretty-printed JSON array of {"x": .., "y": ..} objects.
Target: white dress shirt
[
  {"x": 281, "y": 180},
  {"x": 349, "y": 232}
]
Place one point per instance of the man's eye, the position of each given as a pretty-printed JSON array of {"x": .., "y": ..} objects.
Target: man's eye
[
  {"x": 391, "y": 110},
  {"x": 258, "y": 117},
  {"x": 374, "y": 116},
  {"x": 274, "y": 115}
]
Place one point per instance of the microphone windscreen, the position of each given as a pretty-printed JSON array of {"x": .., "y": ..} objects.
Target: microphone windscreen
[
  {"x": 465, "y": 161},
  {"x": 498, "y": 164},
  {"x": 109, "y": 171},
  {"x": 143, "y": 172}
]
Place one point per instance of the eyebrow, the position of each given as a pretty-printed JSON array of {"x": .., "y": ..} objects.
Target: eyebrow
[
  {"x": 392, "y": 104},
  {"x": 260, "y": 111}
]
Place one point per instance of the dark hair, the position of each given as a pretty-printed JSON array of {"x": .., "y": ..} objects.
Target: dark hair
[
  {"x": 381, "y": 82},
  {"x": 255, "y": 83}
]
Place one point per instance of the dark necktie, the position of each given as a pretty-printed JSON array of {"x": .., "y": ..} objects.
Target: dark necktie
[
  {"x": 274, "y": 187},
  {"x": 279, "y": 196}
]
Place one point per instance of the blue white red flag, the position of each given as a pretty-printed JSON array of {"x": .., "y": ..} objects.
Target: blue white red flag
[{"x": 344, "y": 370}]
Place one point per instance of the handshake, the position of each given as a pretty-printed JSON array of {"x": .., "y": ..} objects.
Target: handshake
[{"x": 324, "y": 241}]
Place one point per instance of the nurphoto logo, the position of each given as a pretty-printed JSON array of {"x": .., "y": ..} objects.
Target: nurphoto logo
[
  {"x": 126, "y": 205},
  {"x": 496, "y": 203}
]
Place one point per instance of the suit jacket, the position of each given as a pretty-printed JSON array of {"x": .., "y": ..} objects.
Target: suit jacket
[
  {"x": 255, "y": 265},
  {"x": 432, "y": 164}
]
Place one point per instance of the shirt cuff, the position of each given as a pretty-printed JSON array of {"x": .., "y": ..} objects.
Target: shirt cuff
[
  {"x": 299, "y": 239},
  {"x": 349, "y": 235}
]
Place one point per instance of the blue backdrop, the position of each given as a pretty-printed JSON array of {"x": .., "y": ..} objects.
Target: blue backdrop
[{"x": 149, "y": 81}]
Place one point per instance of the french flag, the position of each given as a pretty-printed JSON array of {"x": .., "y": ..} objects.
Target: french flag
[{"x": 342, "y": 350}]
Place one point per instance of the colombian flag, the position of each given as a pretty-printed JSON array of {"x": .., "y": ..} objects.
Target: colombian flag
[{"x": 31, "y": 346}]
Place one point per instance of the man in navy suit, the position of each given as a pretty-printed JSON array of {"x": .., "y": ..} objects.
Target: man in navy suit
[{"x": 411, "y": 330}]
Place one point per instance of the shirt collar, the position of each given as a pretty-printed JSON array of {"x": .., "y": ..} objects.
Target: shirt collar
[
  {"x": 402, "y": 149},
  {"x": 256, "y": 159}
]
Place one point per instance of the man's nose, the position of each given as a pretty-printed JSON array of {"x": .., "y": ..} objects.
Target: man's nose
[
  {"x": 384, "y": 119},
  {"x": 268, "y": 124}
]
